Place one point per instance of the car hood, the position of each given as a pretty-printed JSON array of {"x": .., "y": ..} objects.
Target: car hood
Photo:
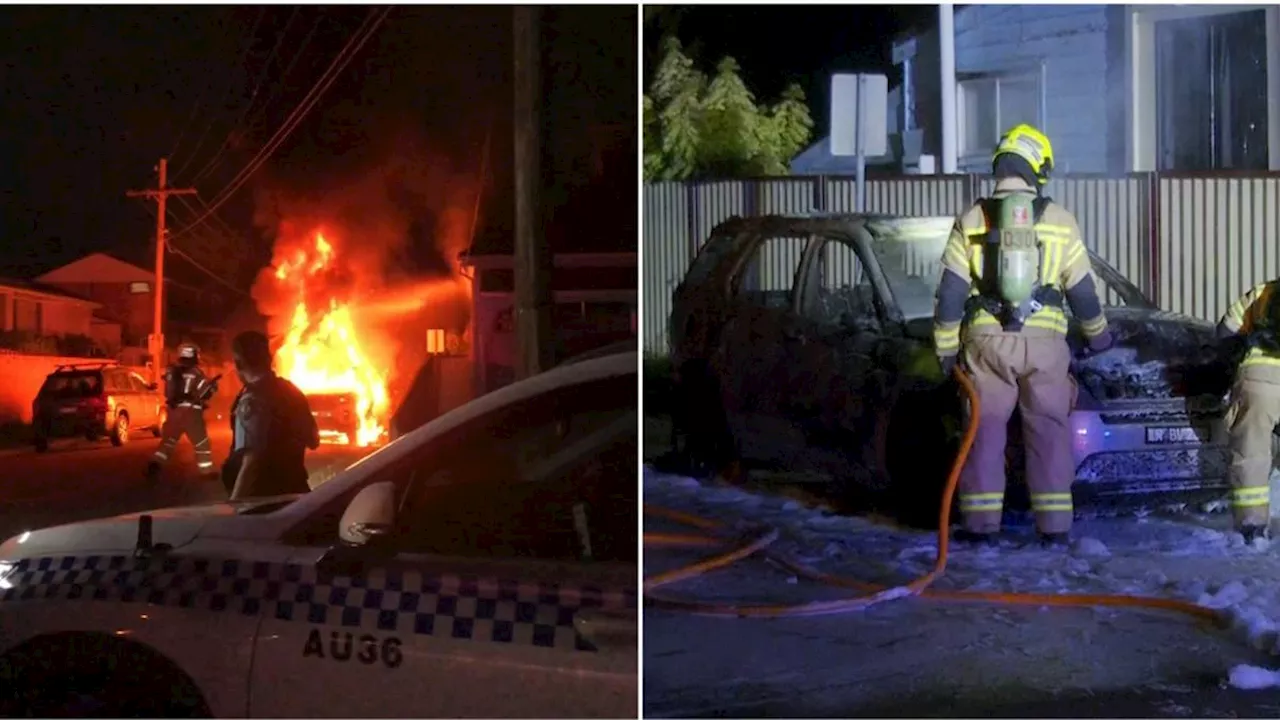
[
  {"x": 172, "y": 526},
  {"x": 1157, "y": 355}
]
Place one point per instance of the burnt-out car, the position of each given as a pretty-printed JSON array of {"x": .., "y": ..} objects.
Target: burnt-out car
[{"x": 815, "y": 333}]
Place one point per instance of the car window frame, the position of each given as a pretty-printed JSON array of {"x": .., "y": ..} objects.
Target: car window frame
[
  {"x": 574, "y": 454},
  {"x": 866, "y": 259},
  {"x": 742, "y": 265}
]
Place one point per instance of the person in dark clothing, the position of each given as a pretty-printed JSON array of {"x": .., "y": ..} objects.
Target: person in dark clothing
[
  {"x": 272, "y": 427},
  {"x": 186, "y": 392}
]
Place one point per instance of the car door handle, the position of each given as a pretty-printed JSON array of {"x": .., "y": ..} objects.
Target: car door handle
[{"x": 605, "y": 627}]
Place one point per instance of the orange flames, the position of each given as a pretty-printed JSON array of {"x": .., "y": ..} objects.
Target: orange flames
[{"x": 322, "y": 350}]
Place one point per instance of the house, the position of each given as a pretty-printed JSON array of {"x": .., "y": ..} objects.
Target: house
[
  {"x": 43, "y": 310},
  {"x": 123, "y": 292},
  {"x": 1118, "y": 88},
  {"x": 595, "y": 305}
]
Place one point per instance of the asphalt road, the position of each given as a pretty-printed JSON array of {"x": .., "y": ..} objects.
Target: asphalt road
[{"x": 80, "y": 480}]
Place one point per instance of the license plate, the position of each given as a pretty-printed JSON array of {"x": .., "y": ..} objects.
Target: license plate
[{"x": 1173, "y": 435}]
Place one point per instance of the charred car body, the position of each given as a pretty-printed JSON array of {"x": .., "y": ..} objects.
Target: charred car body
[
  {"x": 337, "y": 415},
  {"x": 815, "y": 335}
]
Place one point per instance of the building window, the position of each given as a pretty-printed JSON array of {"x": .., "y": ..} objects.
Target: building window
[
  {"x": 990, "y": 104},
  {"x": 139, "y": 288},
  {"x": 1211, "y": 99}
]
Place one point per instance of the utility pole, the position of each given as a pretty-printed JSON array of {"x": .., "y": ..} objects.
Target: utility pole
[
  {"x": 155, "y": 343},
  {"x": 532, "y": 255}
]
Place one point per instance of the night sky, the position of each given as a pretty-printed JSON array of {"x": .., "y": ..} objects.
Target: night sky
[
  {"x": 795, "y": 43},
  {"x": 93, "y": 96}
]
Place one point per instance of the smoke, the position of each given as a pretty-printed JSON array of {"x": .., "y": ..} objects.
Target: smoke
[
  {"x": 395, "y": 219},
  {"x": 395, "y": 214}
]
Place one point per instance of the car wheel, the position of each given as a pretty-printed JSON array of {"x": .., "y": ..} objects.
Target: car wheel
[
  {"x": 120, "y": 433},
  {"x": 41, "y": 443}
]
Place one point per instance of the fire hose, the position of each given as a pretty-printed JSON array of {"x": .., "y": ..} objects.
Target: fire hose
[{"x": 869, "y": 594}]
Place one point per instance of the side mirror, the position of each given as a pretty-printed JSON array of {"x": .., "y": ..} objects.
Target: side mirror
[
  {"x": 371, "y": 515},
  {"x": 153, "y": 386}
]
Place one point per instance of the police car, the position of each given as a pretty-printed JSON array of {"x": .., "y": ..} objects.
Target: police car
[{"x": 484, "y": 564}]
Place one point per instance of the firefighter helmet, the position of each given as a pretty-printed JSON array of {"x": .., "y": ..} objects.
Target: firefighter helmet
[
  {"x": 1029, "y": 144},
  {"x": 188, "y": 352}
]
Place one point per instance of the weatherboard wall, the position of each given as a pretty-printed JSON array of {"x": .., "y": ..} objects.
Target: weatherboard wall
[
  {"x": 1192, "y": 244},
  {"x": 1071, "y": 41}
]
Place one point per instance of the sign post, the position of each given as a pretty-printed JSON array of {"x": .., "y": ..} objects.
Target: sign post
[{"x": 859, "y": 122}]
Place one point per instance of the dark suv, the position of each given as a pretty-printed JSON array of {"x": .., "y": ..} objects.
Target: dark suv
[{"x": 95, "y": 400}]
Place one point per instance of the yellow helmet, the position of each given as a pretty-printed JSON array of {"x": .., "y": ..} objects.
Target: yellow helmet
[{"x": 1031, "y": 145}]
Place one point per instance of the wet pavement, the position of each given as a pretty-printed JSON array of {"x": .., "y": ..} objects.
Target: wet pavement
[{"x": 80, "y": 480}]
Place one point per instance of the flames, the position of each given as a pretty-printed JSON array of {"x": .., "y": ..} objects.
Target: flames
[{"x": 323, "y": 352}]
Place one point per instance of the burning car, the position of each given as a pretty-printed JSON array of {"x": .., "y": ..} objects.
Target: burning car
[
  {"x": 322, "y": 351},
  {"x": 815, "y": 332},
  {"x": 336, "y": 416}
]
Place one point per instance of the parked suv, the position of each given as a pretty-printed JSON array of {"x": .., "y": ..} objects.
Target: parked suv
[{"x": 95, "y": 400}]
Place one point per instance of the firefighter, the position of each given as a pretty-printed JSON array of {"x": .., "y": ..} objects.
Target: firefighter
[
  {"x": 186, "y": 391},
  {"x": 1010, "y": 262},
  {"x": 1251, "y": 323},
  {"x": 271, "y": 424}
]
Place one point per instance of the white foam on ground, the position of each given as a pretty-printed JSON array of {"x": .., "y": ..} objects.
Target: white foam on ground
[{"x": 1187, "y": 557}]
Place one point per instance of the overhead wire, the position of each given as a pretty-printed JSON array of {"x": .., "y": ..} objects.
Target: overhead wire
[
  {"x": 357, "y": 41},
  {"x": 244, "y": 53},
  {"x": 253, "y": 95},
  {"x": 175, "y": 250}
]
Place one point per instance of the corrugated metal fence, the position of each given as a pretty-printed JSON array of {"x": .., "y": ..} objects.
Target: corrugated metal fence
[{"x": 1193, "y": 244}]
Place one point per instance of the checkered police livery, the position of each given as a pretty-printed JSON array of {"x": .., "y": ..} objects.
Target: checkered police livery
[{"x": 475, "y": 609}]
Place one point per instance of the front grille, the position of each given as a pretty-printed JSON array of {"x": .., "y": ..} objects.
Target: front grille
[
  {"x": 1156, "y": 466},
  {"x": 1158, "y": 417}
]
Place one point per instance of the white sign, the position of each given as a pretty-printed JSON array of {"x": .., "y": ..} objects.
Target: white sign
[{"x": 859, "y": 102}]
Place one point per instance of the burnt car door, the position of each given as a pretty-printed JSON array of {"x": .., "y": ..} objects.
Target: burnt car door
[
  {"x": 839, "y": 311},
  {"x": 761, "y": 359}
]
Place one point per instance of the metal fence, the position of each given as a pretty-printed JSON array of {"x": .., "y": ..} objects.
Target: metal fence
[{"x": 1192, "y": 243}]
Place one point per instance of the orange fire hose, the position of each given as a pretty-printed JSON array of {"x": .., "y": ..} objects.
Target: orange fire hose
[{"x": 871, "y": 594}]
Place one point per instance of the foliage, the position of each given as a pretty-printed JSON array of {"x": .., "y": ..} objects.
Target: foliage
[{"x": 699, "y": 127}]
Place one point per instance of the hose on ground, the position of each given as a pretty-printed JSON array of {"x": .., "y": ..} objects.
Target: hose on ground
[{"x": 869, "y": 593}]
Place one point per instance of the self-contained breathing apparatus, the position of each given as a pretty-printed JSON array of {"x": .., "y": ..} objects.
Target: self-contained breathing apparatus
[{"x": 1010, "y": 288}]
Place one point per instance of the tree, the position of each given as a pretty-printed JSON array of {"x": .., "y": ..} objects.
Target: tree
[{"x": 695, "y": 127}]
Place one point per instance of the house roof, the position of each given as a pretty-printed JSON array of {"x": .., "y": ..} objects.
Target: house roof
[
  {"x": 818, "y": 160},
  {"x": 39, "y": 288},
  {"x": 97, "y": 268}
]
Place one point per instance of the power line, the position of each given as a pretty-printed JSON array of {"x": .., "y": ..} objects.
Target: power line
[
  {"x": 195, "y": 212},
  {"x": 170, "y": 247},
  {"x": 178, "y": 251},
  {"x": 344, "y": 58},
  {"x": 195, "y": 109},
  {"x": 253, "y": 96},
  {"x": 244, "y": 53}
]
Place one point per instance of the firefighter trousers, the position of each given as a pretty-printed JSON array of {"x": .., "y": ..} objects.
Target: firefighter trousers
[
  {"x": 189, "y": 421},
  {"x": 1032, "y": 374},
  {"x": 1251, "y": 418}
]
